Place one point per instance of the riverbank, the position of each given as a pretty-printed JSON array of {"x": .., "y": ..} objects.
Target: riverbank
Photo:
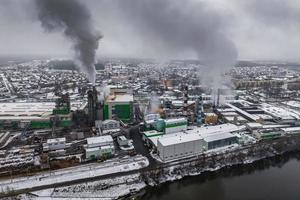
[
  {"x": 273, "y": 178},
  {"x": 216, "y": 161},
  {"x": 201, "y": 165}
]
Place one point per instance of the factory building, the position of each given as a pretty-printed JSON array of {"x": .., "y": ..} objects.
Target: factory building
[
  {"x": 222, "y": 128},
  {"x": 61, "y": 114},
  {"x": 55, "y": 144},
  {"x": 210, "y": 118},
  {"x": 150, "y": 121},
  {"x": 252, "y": 126},
  {"x": 99, "y": 147},
  {"x": 151, "y": 137},
  {"x": 192, "y": 142},
  {"x": 175, "y": 125},
  {"x": 119, "y": 107},
  {"x": 36, "y": 114},
  {"x": 108, "y": 126},
  {"x": 265, "y": 134},
  {"x": 15, "y": 115},
  {"x": 291, "y": 130},
  {"x": 218, "y": 99},
  {"x": 280, "y": 114},
  {"x": 218, "y": 140},
  {"x": 179, "y": 146},
  {"x": 94, "y": 107},
  {"x": 150, "y": 117},
  {"x": 171, "y": 125},
  {"x": 124, "y": 143}
]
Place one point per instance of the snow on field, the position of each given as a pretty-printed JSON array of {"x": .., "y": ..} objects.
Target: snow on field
[
  {"x": 102, "y": 189},
  {"x": 76, "y": 173}
]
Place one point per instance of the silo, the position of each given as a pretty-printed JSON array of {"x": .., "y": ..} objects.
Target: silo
[{"x": 160, "y": 125}]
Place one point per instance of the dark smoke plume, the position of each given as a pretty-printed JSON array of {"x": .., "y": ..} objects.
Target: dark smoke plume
[
  {"x": 184, "y": 25},
  {"x": 74, "y": 19}
]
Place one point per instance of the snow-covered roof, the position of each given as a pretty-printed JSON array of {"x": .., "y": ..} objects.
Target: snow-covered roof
[
  {"x": 209, "y": 133},
  {"x": 223, "y": 110},
  {"x": 229, "y": 114},
  {"x": 223, "y": 128},
  {"x": 24, "y": 108},
  {"x": 120, "y": 98},
  {"x": 21, "y": 117},
  {"x": 56, "y": 140},
  {"x": 281, "y": 112},
  {"x": 178, "y": 138},
  {"x": 210, "y": 114},
  {"x": 254, "y": 125},
  {"x": 291, "y": 129},
  {"x": 99, "y": 140},
  {"x": 232, "y": 118},
  {"x": 152, "y": 133},
  {"x": 151, "y": 117},
  {"x": 253, "y": 117},
  {"x": 293, "y": 104},
  {"x": 268, "y": 126},
  {"x": 175, "y": 120}
]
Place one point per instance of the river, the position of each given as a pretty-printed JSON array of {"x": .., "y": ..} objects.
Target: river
[{"x": 272, "y": 179}]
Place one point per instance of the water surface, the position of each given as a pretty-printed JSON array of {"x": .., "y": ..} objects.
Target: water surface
[{"x": 274, "y": 179}]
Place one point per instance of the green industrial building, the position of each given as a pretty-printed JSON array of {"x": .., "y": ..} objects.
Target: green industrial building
[
  {"x": 167, "y": 126},
  {"x": 36, "y": 115},
  {"x": 119, "y": 107}
]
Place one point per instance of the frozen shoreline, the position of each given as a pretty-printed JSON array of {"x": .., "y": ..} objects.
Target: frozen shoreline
[
  {"x": 131, "y": 184},
  {"x": 121, "y": 187},
  {"x": 103, "y": 189}
]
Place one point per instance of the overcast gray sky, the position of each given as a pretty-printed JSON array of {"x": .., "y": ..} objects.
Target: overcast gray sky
[{"x": 257, "y": 29}]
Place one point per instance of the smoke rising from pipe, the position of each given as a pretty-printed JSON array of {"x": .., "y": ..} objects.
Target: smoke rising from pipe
[
  {"x": 154, "y": 103},
  {"x": 184, "y": 25},
  {"x": 74, "y": 19}
]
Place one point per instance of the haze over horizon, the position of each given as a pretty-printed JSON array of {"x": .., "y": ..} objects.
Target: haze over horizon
[{"x": 260, "y": 30}]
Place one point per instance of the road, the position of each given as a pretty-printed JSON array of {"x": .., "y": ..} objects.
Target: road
[{"x": 139, "y": 146}]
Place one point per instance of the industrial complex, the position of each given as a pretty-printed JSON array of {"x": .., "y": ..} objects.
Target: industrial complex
[{"x": 134, "y": 114}]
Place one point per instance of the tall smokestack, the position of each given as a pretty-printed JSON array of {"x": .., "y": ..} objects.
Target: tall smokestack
[
  {"x": 218, "y": 97},
  {"x": 185, "y": 99},
  {"x": 92, "y": 106},
  {"x": 74, "y": 20}
]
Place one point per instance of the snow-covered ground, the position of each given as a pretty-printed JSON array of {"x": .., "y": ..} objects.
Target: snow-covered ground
[
  {"x": 10, "y": 139},
  {"x": 76, "y": 173},
  {"x": 179, "y": 171},
  {"x": 295, "y": 104},
  {"x": 103, "y": 189}
]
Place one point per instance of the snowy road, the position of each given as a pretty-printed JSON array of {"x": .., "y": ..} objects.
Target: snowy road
[{"x": 75, "y": 173}]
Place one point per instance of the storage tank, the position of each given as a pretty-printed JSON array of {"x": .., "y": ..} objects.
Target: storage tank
[{"x": 160, "y": 125}]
